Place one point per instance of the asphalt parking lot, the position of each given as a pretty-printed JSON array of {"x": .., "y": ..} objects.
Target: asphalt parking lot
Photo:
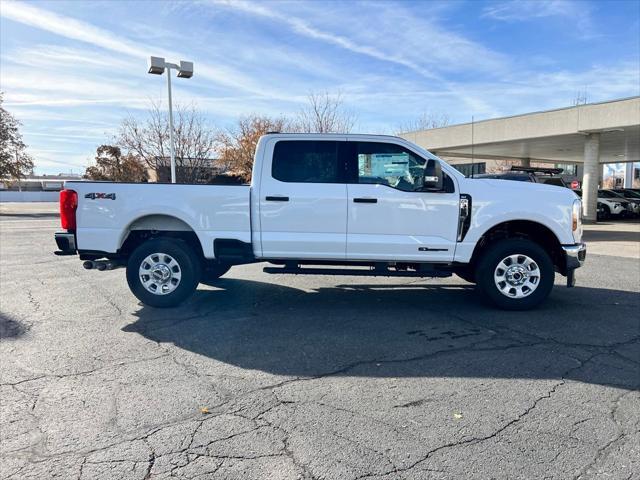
[{"x": 281, "y": 377}]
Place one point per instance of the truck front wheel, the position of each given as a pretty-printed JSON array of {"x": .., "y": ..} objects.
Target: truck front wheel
[
  {"x": 515, "y": 274},
  {"x": 163, "y": 272}
]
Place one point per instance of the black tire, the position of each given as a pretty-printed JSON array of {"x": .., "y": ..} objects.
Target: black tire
[
  {"x": 188, "y": 266},
  {"x": 212, "y": 273},
  {"x": 607, "y": 213},
  {"x": 493, "y": 256}
]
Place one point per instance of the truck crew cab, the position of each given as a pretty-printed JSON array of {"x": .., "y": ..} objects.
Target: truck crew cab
[{"x": 330, "y": 204}]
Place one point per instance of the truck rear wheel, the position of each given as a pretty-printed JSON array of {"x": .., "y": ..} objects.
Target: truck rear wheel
[
  {"x": 163, "y": 272},
  {"x": 515, "y": 274}
]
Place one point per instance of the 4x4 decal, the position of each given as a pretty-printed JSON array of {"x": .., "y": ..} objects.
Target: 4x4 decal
[{"x": 98, "y": 196}]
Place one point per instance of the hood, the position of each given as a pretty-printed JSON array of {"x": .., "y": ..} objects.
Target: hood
[{"x": 512, "y": 187}]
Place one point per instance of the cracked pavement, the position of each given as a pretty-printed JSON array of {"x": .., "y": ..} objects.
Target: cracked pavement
[{"x": 285, "y": 377}]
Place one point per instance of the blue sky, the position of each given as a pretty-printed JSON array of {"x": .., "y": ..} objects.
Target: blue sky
[{"x": 72, "y": 70}]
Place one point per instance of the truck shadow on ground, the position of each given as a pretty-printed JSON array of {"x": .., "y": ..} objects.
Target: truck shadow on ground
[{"x": 404, "y": 330}]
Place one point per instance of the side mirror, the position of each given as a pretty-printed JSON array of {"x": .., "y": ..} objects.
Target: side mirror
[{"x": 433, "y": 179}]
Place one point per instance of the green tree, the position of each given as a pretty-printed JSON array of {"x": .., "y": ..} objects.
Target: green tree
[
  {"x": 15, "y": 162},
  {"x": 112, "y": 165}
]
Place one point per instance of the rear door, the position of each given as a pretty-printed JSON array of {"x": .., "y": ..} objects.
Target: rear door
[
  {"x": 303, "y": 200},
  {"x": 390, "y": 217}
]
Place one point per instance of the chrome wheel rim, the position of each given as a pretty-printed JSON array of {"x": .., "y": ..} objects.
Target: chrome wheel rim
[
  {"x": 517, "y": 276},
  {"x": 160, "y": 273}
]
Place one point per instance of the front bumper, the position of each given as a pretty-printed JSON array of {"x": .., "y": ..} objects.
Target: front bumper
[
  {"x": 575, "y": 256},
  {"x": 618, "y": 210},
  {"x": 66, "y": 242}
]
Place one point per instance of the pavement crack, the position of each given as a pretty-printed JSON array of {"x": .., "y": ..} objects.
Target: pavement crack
[
  {"x": 476, "y": 440},
  {"x": 151, "y": 461},
  {"x": 603, "y": 451},
  {"x": 84, "y": 462}
]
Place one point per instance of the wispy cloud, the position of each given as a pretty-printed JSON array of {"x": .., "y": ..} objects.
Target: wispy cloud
[
  {"x": 69, "y": 27},
  {"x": 522, "y": 10},
  {"x": 387, "y": 41},
  {"x": 74, "y": 29},
  {"x": 579, "y": 12},
  {"x": 419, "y": 46},
  {"x": 47, "y": 55}
]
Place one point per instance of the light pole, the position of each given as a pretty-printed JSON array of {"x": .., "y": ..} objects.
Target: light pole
[{"x": 157, "y": 66}]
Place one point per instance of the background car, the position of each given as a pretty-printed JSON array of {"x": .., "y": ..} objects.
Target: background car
[
  {"x": 602, "y": 212},
  {"x": 612, "y": 207},
  {"x": 549, "y": 176},
  {"x": 629, "y": 192},
  {"x": 632, "y": 204}
]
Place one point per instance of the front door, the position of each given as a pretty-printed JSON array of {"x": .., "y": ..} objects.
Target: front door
[
  {"x": 389, "y": 217},
  {"x": 303, "y": 201}
]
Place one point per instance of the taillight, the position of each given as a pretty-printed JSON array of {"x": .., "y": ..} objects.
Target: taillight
[{"x": 68, "y": 206}]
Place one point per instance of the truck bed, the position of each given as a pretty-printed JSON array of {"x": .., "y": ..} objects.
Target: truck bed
[{"x": 108, "y": 211}]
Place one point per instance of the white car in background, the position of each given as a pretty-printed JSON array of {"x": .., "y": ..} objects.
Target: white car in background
[
  {"x": 611, "y": 206},
  {"x": 634, "y": 203}
]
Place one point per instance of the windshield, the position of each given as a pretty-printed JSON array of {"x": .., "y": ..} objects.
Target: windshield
[
  {"x": 631, "y": 194},
  {"x": 608, "y": 194}
]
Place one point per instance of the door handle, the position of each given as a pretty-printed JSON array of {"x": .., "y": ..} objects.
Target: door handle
[
  {"x": 365, "y": 200},
  {"x": 276, "y": 199}
]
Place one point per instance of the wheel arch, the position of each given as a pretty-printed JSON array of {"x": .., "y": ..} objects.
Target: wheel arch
[
  {"x": 158, "y": 226},
  {"x": 530, "y": 229}
]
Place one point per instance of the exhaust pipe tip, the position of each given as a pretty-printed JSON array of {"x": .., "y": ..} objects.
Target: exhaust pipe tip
[{"x": 88, "y": 265}]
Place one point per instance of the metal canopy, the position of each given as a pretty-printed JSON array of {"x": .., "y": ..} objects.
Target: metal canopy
[{"x": 555, "y": 136}]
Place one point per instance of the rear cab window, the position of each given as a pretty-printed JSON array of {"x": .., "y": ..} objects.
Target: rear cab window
[{"x": 307, "y": 161}]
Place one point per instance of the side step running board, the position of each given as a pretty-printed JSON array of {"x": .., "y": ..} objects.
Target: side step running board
[{"x": 370, "y": 272}]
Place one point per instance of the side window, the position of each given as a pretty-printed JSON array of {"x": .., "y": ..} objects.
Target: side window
[
  {"x": 307, "y": 161},
  {"x": 388, "y": 164}
]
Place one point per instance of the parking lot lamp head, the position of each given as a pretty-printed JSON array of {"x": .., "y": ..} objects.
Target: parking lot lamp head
[
  {"x": 157, "y": 66},
  {"x": 185, "y": 70}
]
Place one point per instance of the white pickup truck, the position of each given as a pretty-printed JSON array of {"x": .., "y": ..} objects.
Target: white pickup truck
[{"x": 333, "y": 205}]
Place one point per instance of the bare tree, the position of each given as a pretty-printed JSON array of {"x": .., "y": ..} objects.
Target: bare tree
[
  {"x": 426, "y": 121},
  {"x": 112, "y": 165},
  {"x": 499, "y": 166},
  {"x": 15, "y": 162},
  {"x": 149, "y": 140},
  {"x": 236, "y": 146},
  {"x": 325, "y": 113},
  {"x": 580, "y": 98}
]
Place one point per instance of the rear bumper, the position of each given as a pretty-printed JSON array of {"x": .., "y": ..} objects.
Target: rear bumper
[{"x": 66, "y": 243}]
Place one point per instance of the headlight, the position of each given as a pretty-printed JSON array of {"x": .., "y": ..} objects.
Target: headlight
[
  {"x": 576, "y": 220},
  {"x": 617, "y": 205}
]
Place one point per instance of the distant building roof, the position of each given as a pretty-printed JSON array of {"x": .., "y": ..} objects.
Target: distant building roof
[{"x": 548, "y": 136}]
